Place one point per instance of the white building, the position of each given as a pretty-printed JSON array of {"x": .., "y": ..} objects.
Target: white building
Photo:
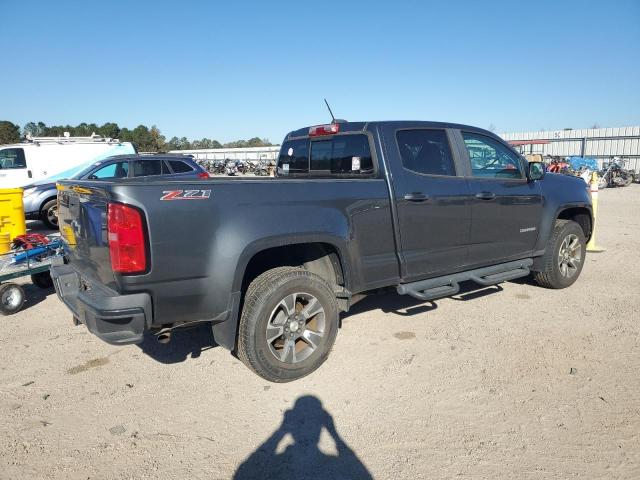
[
  {"x": 599, "y": 143},
  {"x": 249, "y": 153}
]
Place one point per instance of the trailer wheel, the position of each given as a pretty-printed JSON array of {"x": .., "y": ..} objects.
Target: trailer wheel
[
  {"x": 42, "y": 280},
  {"x": 288, "y": 325},
  {"x": 11, "y": 298}
]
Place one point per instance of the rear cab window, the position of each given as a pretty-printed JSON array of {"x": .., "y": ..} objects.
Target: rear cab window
[{"x": 341, "y": 155}]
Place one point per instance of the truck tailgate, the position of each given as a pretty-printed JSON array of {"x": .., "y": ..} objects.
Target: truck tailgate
[{"x": 82, "y": 216}]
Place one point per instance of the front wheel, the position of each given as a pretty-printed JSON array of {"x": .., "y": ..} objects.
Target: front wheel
[
  {"x": 288, "y": 325},
  {"x": 564, "y": 256},
  {"x": 49, "y": 214}
]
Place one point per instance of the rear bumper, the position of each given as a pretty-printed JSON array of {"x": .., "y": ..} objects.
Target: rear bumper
[{"x": 116, "y": 319}]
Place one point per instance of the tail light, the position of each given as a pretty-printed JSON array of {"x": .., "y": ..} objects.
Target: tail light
[
  {"x": 329, "y": 129},
  {"x": 203, "y": 175},
  {"x": 127, "y": 245}
]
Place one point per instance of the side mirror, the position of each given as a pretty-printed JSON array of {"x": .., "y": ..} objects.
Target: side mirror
[{"x": 536, "y": 171}]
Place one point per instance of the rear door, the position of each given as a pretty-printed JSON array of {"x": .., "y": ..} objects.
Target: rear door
[
  {"x": 505, "y": 207},
  {"x": 431, "y": 198}
]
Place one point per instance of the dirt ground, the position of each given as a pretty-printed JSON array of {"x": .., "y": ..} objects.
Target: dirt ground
[{"x": 512, "y": 381}]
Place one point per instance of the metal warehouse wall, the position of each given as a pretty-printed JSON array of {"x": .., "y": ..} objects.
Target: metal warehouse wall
[
  {"x": 600, "y": 143},
  {"x": 251, "y": 153}
]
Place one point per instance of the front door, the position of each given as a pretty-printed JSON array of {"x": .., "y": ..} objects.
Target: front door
[
  {"x": 13, "y": 168},
  {"x": 431, "y": 201},
  {"x": 505, "y": 206}
]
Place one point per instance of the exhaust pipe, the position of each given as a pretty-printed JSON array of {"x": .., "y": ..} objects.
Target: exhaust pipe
[{"x": 164, "y": 336}]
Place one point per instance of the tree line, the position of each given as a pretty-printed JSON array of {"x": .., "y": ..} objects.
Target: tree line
[{"x": 146, "y": 139}]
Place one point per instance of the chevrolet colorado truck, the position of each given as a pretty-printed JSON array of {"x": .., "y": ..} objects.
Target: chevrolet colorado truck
[{"x": 271, "y": 263}]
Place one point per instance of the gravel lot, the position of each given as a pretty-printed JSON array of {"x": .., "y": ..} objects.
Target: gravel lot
[{"x": 508, "y": 382}]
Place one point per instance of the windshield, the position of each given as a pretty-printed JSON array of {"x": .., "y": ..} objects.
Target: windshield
[{"x": 86, "y": 171}]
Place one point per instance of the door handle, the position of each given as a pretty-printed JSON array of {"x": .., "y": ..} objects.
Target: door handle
[
  {"x": 416, "y": 197},
  {"x": 486, "y": 195},
  {"x": 29, "y": 174}
]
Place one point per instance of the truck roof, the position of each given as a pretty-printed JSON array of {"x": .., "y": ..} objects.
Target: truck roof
[{"x": 364, "y": 126}]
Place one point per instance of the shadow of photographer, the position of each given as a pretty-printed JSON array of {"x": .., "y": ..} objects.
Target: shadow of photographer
[{"x": 303, "y": 459}]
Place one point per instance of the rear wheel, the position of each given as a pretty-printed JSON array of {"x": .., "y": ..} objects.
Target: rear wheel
[
  {"x": 11, "y": 298},
  {"x": 289, "y": 324},
  {"x": 49, "y": 214},
  {"x": 564, "y": 256}
]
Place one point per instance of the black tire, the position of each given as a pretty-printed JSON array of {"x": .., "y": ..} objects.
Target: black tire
[
  {"x": 268, "y": 294},
  {"x": 553, "y": 275},
  {"x": 42, "y": 280},
  {"x": 11, "y": 298},
  {"x": 49, "y": 214}
]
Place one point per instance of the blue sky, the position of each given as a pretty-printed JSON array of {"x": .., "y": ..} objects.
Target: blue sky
[{"x": 230, "y": 70}]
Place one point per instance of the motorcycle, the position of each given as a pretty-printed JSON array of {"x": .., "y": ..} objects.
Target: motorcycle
[
  {"x": 231, "y": 168},
  {"x": 218, "y": 167},
  {"x": 262, "y": 168},
  {"x": 559, "y": 166},
  {"x": 613, "y": 174},
  {"x": 242, "y": 167}
]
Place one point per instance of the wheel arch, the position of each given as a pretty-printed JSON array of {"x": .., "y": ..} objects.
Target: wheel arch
[
  {"x": 45, "y": 201},
  {"x": 323, "y": 256},
  {"x": 581, "y": 215},
  {"x": 320, "y": 256}
]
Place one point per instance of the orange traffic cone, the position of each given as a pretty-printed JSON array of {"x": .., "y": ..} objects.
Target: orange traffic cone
[{"x": 591, "y": 246}]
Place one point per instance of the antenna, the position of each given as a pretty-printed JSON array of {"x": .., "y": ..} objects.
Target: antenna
[{"x": 333, "y": 119}]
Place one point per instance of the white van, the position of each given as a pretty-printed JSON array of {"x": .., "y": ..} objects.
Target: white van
[{"x": 47, "y": 159}]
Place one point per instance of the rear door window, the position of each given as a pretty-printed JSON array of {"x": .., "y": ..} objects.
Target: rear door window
[
  {"x": 180, "y": 167},
  {"x": 148, "y": 168},
  {"x": 426, "y": 152}
]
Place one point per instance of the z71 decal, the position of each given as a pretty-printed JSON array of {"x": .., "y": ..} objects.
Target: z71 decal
[{"x": 186, "y": 195}]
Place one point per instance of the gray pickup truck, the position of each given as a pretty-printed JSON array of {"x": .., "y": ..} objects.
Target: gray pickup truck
[{"x": 355, "y": 207}]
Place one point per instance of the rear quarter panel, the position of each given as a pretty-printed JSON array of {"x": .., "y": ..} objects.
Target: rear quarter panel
[{"x": 199, "y": 248}]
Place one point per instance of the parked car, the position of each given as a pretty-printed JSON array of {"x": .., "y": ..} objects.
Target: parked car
[
  {"x": 41, "y": 159},
  {"x": 356, "y": 206},
  {"x": 40, "y": 199}
]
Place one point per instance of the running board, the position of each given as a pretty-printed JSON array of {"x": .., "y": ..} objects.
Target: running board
[{"x": 448, "y": 285}]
